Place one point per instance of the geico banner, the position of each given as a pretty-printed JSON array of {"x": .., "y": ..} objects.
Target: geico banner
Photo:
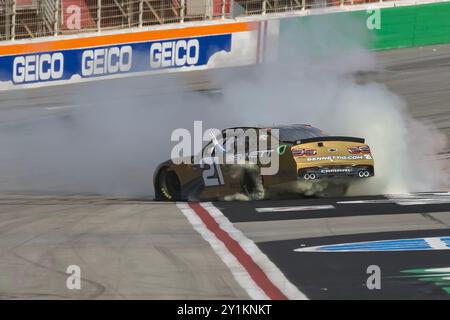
[{"x": 113, "y": 59}]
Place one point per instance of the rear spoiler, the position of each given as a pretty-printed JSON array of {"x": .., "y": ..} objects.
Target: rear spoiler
[{"x": 331, "y": 138}]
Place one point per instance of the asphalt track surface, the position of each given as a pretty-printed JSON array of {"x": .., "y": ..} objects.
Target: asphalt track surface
[{"x": 140, "y": 249}]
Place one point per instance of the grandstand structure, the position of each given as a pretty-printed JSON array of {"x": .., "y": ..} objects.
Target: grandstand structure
[{"x": 21, "y": 19}]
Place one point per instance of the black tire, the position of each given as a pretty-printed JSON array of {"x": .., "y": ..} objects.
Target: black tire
[
  {"x": 168, "y": 187},
  {"x": 252, "y": 186}
]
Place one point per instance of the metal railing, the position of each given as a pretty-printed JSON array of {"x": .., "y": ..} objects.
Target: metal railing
[{"x": 37, "y": 18}]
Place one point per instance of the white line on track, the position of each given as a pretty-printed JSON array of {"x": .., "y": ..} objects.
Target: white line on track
[
  {"x": 422, "y": 202},
  {"x": 406, "y": 199},
  {"x": 238, "y": 271},
  {"x": 365, "y": 201},
  {"x": 296, "y": 208},
  {"x": 436, "y": 243},
  {"x": 251, "y": 268}
]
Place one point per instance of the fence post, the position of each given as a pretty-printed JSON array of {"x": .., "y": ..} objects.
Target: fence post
[
  {"x": 182, "y": 4},
  {"x": 141, "y": 12},
  {"x": 210, "y": 9},
  {"x": 303, "y": 4},
  {"x": 99, "y": 14},
  {"x": 264, "y": 5},
  {"x": 13, "y": 20},
  {"x": 223, "y": 8},
  {"x": 56, "y": 18}
]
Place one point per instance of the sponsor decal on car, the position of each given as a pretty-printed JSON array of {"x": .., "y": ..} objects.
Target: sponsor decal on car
[
  {"x": 332, "y": 158},
  {"x": 358, "y": 150},
  {"x": 303, "y": 152},
  {"x": 336, "y": 170}
]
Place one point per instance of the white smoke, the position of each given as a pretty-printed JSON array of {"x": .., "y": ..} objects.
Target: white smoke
[{"x": 115, "y": 133}]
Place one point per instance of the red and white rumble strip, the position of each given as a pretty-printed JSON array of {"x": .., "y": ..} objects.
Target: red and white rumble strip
[{"x": 250, "y": 267}]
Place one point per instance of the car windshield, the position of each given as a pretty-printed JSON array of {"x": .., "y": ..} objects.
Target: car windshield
[{"x": 294, "y": 133}]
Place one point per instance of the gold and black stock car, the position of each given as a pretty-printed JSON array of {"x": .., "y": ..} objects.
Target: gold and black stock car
[{"x": 305, "y": 154}]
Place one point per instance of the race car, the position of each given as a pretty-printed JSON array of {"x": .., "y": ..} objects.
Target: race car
[{"x": 304, "y": 154}]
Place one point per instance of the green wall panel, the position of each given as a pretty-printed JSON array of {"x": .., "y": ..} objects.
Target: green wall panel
[{"x": 400, "y": 27}]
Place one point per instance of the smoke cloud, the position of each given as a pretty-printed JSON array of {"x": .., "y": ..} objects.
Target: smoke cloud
[{"x": 107, "y": 137}]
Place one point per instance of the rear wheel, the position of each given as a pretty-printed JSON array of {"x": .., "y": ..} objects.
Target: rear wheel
[
  {"x": 168, "y": 187},
  {"x": 252, "y": 185}
]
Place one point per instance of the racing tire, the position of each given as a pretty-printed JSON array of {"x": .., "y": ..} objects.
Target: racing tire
[
  {"x": 168, "y": 187},
  {"x": 252, "y": 185}
]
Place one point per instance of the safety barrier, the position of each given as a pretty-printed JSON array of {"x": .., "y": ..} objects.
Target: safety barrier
[
  {"x": 113, "y": 54},
  {"x": 204, "y": 45}
]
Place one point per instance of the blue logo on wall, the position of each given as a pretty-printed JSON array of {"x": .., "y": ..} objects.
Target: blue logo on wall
[{"x": 114, "y": 59}]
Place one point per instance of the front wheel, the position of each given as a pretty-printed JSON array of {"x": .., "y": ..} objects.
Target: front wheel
[{"x": 168, "y": 187}]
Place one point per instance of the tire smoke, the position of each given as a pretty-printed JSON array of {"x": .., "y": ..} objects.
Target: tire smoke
[{"x": 107, "y": 137}]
